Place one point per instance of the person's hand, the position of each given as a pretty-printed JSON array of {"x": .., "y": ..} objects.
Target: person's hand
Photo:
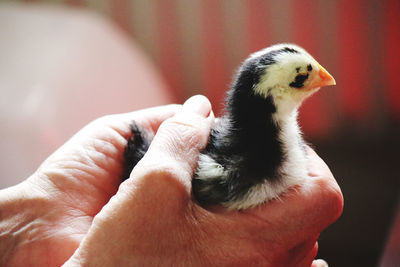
[
  {"x": 43, "y": 219},
  {"x": 153, "y": 221}
]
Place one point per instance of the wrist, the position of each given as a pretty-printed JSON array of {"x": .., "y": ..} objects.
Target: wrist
[{"x": 8, "y": 240}]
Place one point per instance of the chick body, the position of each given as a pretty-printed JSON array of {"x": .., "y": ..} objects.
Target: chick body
[{"x": 255, "y": 151}]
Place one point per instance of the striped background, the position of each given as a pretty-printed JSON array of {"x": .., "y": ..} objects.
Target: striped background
[{"x": 197, "y": 45}]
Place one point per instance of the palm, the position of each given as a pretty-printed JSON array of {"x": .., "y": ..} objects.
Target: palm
[{"x": 76, "y": 182}]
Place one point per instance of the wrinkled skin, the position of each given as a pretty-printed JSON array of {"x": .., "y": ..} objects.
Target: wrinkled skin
[{"x": 73, "y": 205}]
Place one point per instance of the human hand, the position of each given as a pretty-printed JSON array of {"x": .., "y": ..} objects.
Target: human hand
[
  {"x": 152, "y": 219},
  {"x": 43, "y": 219}
]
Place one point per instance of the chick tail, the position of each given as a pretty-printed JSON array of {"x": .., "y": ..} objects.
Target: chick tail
[
  {"x": 137, "y": 146},
  {"x": 209, "y": 192}
]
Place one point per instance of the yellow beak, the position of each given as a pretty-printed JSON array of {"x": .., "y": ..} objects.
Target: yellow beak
[{"x": 323, "y": 79}]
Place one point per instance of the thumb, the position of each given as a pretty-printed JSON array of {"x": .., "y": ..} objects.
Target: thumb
[{"x": 174, "y": 151}]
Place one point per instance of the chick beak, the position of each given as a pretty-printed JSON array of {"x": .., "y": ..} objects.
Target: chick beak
[{"x": 323, "y": 78}]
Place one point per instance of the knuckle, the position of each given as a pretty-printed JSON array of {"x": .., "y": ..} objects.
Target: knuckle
[
  {"x": 337, "y": 204},
  {"x": 167, "y": 178},
  {"x": 332, "y": 197},
  {"x": 104, "y": 119},
  {"x": 168, "y": 169},
  {"x": 182, "y": 124},
  {"x": 186, "y": 133}
]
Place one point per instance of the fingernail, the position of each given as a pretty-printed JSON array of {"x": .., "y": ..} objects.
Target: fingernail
[
  {"x": 198, "y": 104},
  {"x": 320, "y": 263}
]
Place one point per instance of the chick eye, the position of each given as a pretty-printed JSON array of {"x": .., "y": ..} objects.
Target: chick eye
[{"x": 299, "y": 81}]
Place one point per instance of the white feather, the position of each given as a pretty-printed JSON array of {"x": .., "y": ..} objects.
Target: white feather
[{"x": 208, "y": 168}]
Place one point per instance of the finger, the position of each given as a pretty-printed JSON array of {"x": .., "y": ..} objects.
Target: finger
[
  {"x": 150, "y": 119},
  {"x": 174, "y": 150},
  {"x": 304, "y": 252},
  {"x": 308, "y": 255},
  {"x": 316, "y": 166},
  {"x": 308, "y": 209},
  {"x": 115, "y": 129}
]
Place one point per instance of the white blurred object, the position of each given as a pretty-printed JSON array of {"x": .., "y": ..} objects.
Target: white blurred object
[
  {"x": 320, "y": 263},
  {"x": 59, "y": 69}
]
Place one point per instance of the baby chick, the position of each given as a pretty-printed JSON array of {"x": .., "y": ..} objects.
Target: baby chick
[{"x": 255, "y": 151}]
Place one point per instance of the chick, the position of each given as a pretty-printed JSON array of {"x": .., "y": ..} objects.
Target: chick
[{"x": 255, "y": 151}]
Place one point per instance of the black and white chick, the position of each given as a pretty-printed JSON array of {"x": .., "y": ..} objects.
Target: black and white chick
[{"x": 255, "y": 151}]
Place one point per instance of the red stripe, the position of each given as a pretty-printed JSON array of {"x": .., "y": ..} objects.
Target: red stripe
[
  {"x": 392, "y": 53},
  {"x": 314, "y": 118},
  {"x": 121, "y": 14},
  {"x": 168, "y": 47},
  {"x": 353, "y": 80},
  {"x": 214, "y": 70},
  {"x": 257, "y": 24}
]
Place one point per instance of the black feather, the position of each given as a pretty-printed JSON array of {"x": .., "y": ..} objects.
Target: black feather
[
  {"x": 135, "y": 149},
  {"x": 299, "y": 81},
  {"x": 289, "y": 50}
]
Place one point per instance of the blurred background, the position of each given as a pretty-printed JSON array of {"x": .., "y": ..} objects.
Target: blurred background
[{"x": 194, "y": 46}]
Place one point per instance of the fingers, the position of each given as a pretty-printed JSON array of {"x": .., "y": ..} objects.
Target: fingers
[
  {"x": 90, "y": 164},
  {"x": 174, "y": 151},
  {"x": 115, "y": 129}
]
